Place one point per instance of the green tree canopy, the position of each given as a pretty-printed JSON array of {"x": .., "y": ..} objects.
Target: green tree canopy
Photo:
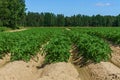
[{"x": 11, "y": 12}]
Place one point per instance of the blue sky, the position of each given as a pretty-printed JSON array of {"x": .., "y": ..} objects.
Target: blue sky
[{"x": 71, "y": 7}]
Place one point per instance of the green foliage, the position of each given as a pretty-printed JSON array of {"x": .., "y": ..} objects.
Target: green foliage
[
  {"x": 25, "y": 44},
  {"x": 11, "y": 11},
  {"x": 111, "y": 34},
  {"x": 57, "y": 50},
  {"x": 60, "y": 20},
  {"x": 3, "y": 29},
  {"x": 91, "y": 47}
]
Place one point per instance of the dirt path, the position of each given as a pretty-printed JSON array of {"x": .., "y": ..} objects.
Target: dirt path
[
  {"x": 83, "y": 73},
  {"x": 17, "y": 30},
  {"x": 68, "y": 29}
]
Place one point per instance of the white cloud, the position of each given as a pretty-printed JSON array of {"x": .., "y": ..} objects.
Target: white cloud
[{"x": 103, "y": 4}]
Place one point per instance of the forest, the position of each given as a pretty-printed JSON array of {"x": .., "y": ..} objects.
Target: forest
[
  {"x": 50, "y": 19},
  {"x": 13, "y": 14}
]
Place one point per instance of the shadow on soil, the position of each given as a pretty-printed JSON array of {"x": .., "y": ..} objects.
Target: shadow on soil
[{"x": 77, "y": 59}]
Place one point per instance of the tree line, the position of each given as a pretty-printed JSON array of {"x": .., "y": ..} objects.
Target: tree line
[
  {"x": 50, "y": 19},
  {"x": 13, "y": 13}
]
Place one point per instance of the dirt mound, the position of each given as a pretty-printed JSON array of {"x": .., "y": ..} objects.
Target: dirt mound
[
  {"x": 4, "y": 60},
  {"x": 17, "y": 70},
  {"x": 115, "y": 55},
  {"x": 59, "y": 71},
  {"x": 104, "y": 71},
  {"x": 20, "y": 70}
]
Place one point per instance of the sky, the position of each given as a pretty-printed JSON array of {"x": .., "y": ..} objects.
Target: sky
[{"x": 71, "y": 7}]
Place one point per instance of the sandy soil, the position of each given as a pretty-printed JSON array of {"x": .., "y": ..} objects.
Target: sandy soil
[
  {"x": 83, "y": 73},
  {"x": 20, "y": 70},
  {"x": 59, "y": 71},
  {"x": 17, "y": 70},
  {"x": 115, "y": 55},
  {"x": 104, "y": 71},
  {"x": 68, "y": 29},
  {"x": 17, "y": 30},
  {"x": 4, "y": 60}
]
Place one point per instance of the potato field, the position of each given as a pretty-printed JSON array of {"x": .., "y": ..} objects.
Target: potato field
[{"x": 92, "y": 53}]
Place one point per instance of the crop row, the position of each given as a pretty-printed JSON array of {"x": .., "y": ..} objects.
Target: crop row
[
  {"x": 112, "y": 35},
  {"x": 57, "y": 49},
  {"x": 90, "y": 47},
  {"x": 23, "y": 45},
  {"x": 109, "y": 34}
]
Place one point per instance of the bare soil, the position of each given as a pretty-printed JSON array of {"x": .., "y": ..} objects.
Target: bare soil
[
  {"x": 5, "y": 60},
  {"x": 17, "y": 30},
  {"x": 59, "y": 71},
  {"x": 83, "y": 73},
  {"x": 104, "y": 71},
  {"x": 68, "y": 29},
  {"x": 115, "y": 55},
  {"x": 20, "y": 70}
]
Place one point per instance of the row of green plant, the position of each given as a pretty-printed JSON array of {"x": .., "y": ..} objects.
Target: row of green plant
[
  {"x": 23, "y": 45},
  {"x": 57, "y": 49},
  {"x": 91, "y": 48},
  {"x": 110, "y": 34}
]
